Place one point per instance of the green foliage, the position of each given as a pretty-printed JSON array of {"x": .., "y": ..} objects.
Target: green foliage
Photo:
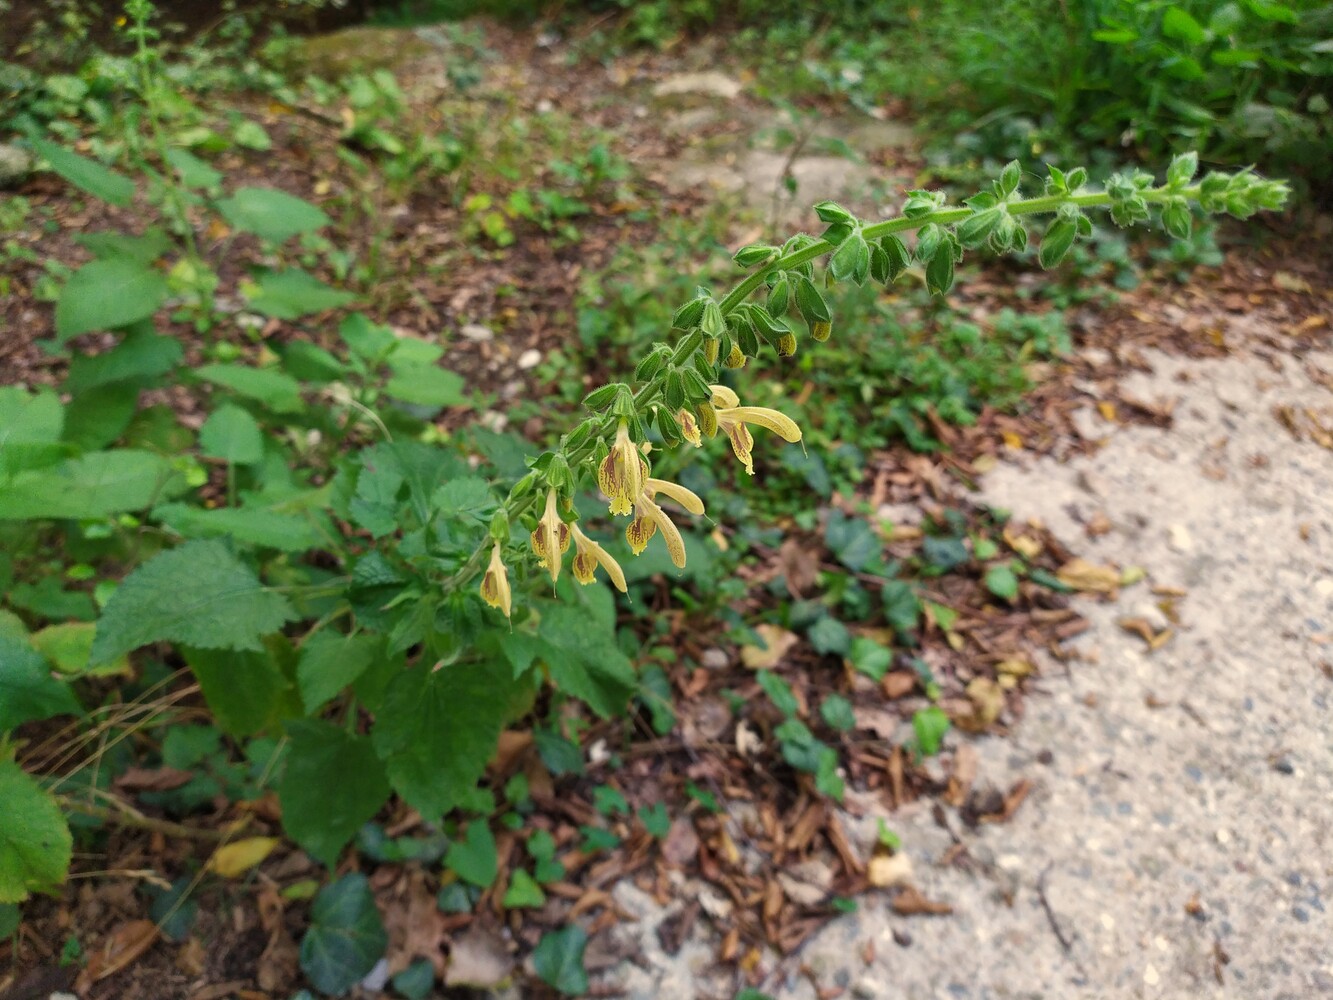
[
  {"x": 35, "y": 843},
  {"x": 558, "y": 959},
  {"x": 930, "y": 725},
  {"x": 345, "y": 938},
  {"x": 28, "y": 692}
]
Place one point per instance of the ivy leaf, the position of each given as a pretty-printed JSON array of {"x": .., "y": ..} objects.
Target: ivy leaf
[
  {"x": 558, "y": 959},
  {"x": 828, "y": 635},
  {"x": 198, "y": 595},
  {"x": 320, "y": 814},
  {"x": 902, "y": 607},
  {"x": 35, "y": 843},
  {"x": 1002, "y": 581},
  {"x": 473, "y": 859},
  {"x": 523, "y": 892},
  {"x": 346, "y": 936},
  {"x": 28, "y": 692},
  {"x": 871, "y": 658},
  {"x": 930, "y": 725},
  {"x": 437, "y": 729},
  {"x": 837, "y": 712}
]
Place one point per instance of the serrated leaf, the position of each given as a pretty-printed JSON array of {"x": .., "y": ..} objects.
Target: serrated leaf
[
  {"x": 90, "y": 486},
  {"x": 426, "y": 385},
  {"x": 329, "y": 662},
  {"x": 293, "y": 293},
  {"x": 35, "y": 843},
  {"x": 584, "y": 661},
  {"x": 197, "y": 595},
  {"x": 139, "y": 358},
  {"x": 246, "y": 690},
  {"x": 558, "y": 959},
  {"x": 232, "y": 435},
  {"x": 320, "y": 814},
  {"x": 107, "y": 295},
  {"x": 437, "y": 729},
  {"x": 28, "y": 692},
  {"x": 270, "y": 214},
  {"x": 280, "y": 393},
  {"x": 346, "y": 936},
  {"x": 264, "y": 528},
  {"x": 87, "y": 175},
  {"x": 473, "y": 858}
]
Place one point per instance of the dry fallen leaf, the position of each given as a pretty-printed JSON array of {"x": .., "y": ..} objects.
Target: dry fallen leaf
[
  {"x": 121, "y": 947},
  {"x": 910, "y": 902},
  {"x": 987, "y": 701},
  {"x": 235, "y": 859},
  {"x": 889, "y": 871},
  {"x": 1083, "y": 575},
  {"x": 478, "y": 959},
  {"x": 1025, "y": 545},
  {"x": 776, "y": 642}
]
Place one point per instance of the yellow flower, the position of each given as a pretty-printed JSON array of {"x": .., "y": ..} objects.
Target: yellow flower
[
  {"x": 495, "y": 584},
  {"x": 689, "y": 427},
  {"x": 588, "y": 555},
  {"x": 620, "y": 475},
  {"x": 551, "y": 539},
  {"x": 732, "y": 419},
  {"x": 649, "y": 517}
]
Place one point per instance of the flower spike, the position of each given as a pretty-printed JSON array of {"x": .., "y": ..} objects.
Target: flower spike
[
  {"x": 551, "y": 539},
  {"x": 620, "y": 475},
  {"x": 495, "y": 584},
  {"x": 588, "y": 555}
]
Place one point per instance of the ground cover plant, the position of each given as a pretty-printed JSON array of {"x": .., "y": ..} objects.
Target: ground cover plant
[{"x": 348, "y": 603}]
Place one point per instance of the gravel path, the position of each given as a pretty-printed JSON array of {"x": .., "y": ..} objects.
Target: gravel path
[{"x": 1179, "y": 840}]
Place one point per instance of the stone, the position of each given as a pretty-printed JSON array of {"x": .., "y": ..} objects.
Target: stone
[
  {"x": 711, "y": 83},
  {"x": 476, "y": 333},
  {"x": 15, "y": 165},
  {"x": 530, "y": 358}
]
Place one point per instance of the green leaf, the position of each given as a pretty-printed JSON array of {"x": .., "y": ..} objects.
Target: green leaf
[
  {"x": 368, "y": 341},
  {"x": 930, "y": 725},
  {"x": 655, "y": 820},
  {"x": 90, "y": 486},
  {"x": 437, "y": 729},
  {"x": 108, "y": 294},
  {"x": 10, "y": 918},
  {"x": 35, "y": 843},
  {"x": 584, "y": 660},
  {"x": 426, "y": 385},
  {"x": 139, "y": 358},
  {"x": 473, "y": 859},
  {"x": 270, "y": 214},
  {"x": 30, "y": 429},
  {"x": 333, "y": 783},
  {"x": 197, "y": 595},
  {"x": 1057, "y": 241},
  {"x": 309, "y": 363},
  {"x": 293, "y": 293},
  {"x": 280, "y": 393},
  {"x": 523, "y": 892},
  {"x": 97, "y": 417},
  {"x": 68, "y": 646},
  {"x": 192, "y": 171},
  {"x": 251, "y": 135},
  {"x": 268, "y": 529},
  {"x": 346, "y": 936},
  {"x": 87, "y": 175},
  {"x": 329, "y": 662},
  {"x": 944, "y": 554},
  {"x": 837, "y": 712},
  {"x": 231, "y": 434},
  {"x": 558, "y": 959},
  {"x": 779, "y": 692},
  {"x": 902, "y": 607},
  {"x": 142, "y": 249},
  {"x": 1178, "y": 23},
  {"x": 28, "y": 692},
  {"x": 1002, "y": 581},
  {"x": 246, "y": 690},
  {"x": 828, "y": 635},
  {"x": 871, "y": 658},
  {"x": 416, "y": 981}
]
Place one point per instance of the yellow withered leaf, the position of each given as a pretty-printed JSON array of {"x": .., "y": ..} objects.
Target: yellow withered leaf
[
  {"x": 235, "y": 859},
  {"x": 1083, "y": 575}
]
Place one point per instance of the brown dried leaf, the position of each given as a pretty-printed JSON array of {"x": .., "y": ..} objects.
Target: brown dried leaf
[
  {"x": 1083, "y": 575},
  {"x": 122, "y": 946},
  {"x": 778, "y": 641},
  {"x": 909, "y": 902},
  {"x": 681, "y": 845}
]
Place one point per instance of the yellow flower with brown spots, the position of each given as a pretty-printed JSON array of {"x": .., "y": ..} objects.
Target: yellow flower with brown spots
[
  {"x": 620, "y": 476},
  {"x": 649, "y": 518},
  {"x": 733, "y": 420},
  {"x": 588, "y": 555},
  {"x": 551, "y": 539}
]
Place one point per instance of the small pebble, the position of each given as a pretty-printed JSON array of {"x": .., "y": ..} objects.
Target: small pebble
[
  {"x": 1300, "y": 915},
  {"x": 1283, "y": 765},
  {"x": 901, "y": 938},
  {"x": 1150, "y": 976},
  {"x": 477, "y": 333},
  {"x": 1178, "y": 537},
  {"x": 530, "y": 358},
  {"x": 714, "y": 658}
]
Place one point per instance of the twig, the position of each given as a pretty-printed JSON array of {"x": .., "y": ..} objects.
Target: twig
[
  {"x": 1065, "y": 942},
  {"x": 124, "y": 815}
]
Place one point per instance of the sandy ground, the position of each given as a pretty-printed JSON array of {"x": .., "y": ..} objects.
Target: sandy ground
[{"x": 1179, "y": 840}]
